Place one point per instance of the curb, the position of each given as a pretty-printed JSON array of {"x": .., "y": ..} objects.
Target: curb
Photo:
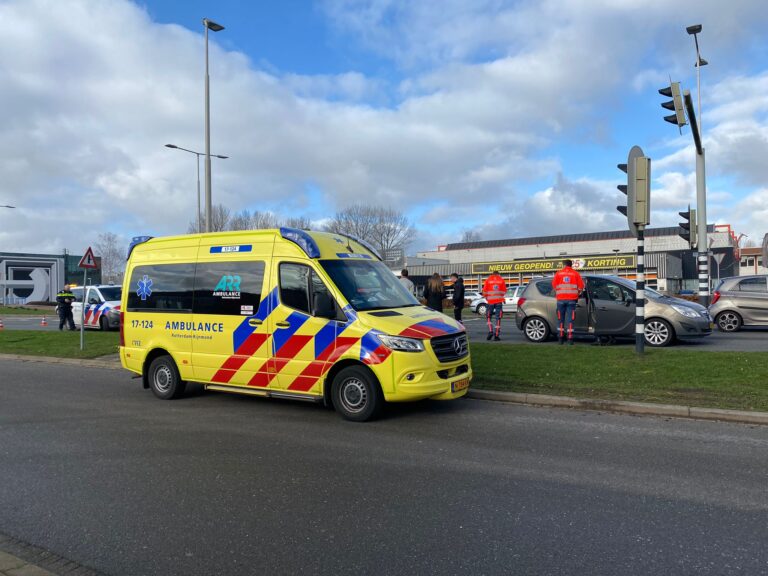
[
  {"x": 624, "y": 407},
  {"x": 620, "y": 406},
  {"x": 91, "y": 363}
]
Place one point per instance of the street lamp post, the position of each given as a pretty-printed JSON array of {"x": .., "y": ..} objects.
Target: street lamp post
[
  {"x": 701, "y": 183},
  {"x": 197, "y": 162},
  {"x": 209, "y": 25}
]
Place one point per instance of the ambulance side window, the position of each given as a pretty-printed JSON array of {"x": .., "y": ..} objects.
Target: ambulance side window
[
  {"x": 161, "y": 288},
  {"x": 228, "y": 287},
  {"x": 294, "y": 286}
]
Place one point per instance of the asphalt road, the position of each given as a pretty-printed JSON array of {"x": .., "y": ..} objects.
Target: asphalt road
[{"x": 95, "y": 469}]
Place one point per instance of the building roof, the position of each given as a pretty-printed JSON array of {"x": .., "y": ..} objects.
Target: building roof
[{"x": 563, "y": 238}]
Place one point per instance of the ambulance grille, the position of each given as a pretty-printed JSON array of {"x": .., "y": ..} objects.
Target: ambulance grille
[{"x": 451, "y": 347}]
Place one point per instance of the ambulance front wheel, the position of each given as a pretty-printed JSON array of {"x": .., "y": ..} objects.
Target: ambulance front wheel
[
  {"x": 356, "y": 394},
  {"x": 164, "y": 378}
]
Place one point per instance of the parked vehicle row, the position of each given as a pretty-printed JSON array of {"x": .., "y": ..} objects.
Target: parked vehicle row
[
  {"x": 607, "y": 308},
  {"x": 480, "y": 305},
  {"x": 740, "y": 301}
]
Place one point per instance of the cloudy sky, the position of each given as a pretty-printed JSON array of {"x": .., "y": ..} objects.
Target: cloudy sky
[{"x": 503, "y": 117}]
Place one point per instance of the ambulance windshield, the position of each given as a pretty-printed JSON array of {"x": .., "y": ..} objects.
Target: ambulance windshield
[{"x": 368, "y": 285}]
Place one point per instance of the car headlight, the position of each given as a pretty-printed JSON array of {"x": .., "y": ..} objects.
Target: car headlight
[
  {"x": 685, "y": 311},
  {"x": 401, "y": 343}
]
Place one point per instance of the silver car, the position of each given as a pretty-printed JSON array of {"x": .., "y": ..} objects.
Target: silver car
[
  {"x": 740, "y": 301},
  {"x": 480, "y": 305},
  {"x": 608, "y": 309}
]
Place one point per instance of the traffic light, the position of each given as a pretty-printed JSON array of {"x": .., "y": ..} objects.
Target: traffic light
[
  {"x": 689, "y": 230},
  {"x": 637, "y": 189},
  {"x": 676, "y": 104}
]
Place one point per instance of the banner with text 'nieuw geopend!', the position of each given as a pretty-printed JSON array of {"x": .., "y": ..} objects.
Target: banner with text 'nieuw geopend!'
[{"x": 543, "y": 265}]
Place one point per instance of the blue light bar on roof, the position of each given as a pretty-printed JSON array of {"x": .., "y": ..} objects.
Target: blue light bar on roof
[
  {"x": 302, "y": 240},
  {"x": 362, "y": 242},
  {"x": 135, "y": 241}
]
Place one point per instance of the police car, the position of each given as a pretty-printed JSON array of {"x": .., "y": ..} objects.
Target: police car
[{"x": 102, "y": 308}]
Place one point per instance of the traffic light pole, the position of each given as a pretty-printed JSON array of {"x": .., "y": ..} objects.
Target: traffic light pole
[
  {"x": 701, "y": 205},
  {"x": 640, "y": 293}
]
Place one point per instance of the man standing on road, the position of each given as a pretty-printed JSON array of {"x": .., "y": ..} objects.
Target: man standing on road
[
  {"x": 64, "y": 301},
  {"x": 494, "y": 290},
  {"x": 458, "y": 295},
  {"x": 567, "y": 285}
]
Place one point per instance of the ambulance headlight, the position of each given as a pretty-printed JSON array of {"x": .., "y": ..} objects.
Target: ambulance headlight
[{"x": 401, "y": 343}]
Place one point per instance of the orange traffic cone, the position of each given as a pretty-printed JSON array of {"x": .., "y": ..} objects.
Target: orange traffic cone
[
  {"x": 43, "y": 322},
  {"x": 1, "y": 324}
]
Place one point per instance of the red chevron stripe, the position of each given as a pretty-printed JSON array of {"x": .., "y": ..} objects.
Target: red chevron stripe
[
  {"x": 315, "y": 370},
  {"x": 235, "y": 362}
]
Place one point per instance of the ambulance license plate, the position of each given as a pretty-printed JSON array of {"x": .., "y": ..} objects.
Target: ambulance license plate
[{"x": 459, "y": 385}]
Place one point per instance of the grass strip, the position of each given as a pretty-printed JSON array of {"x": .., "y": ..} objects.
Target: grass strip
[
  {"x": 58, "y": 344},
  {"x": 732, "y": 380},
  {"x": 22, "y": 311}
]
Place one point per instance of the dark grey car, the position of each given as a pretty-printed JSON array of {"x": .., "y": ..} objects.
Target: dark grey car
[
  {"x": 608, "y": 309},
  {"x": 740, "y": 301}
]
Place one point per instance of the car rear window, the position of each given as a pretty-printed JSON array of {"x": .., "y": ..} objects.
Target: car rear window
[{"x": 544, "y": 287}]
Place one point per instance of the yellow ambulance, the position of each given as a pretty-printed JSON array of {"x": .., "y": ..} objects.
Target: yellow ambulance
[{"x": 286, "y": 313}]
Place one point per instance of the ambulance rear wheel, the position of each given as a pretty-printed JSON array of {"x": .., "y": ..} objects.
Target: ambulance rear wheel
[
  {"x": 164, "y": 378},
  {"x": 356, "y": 394}
]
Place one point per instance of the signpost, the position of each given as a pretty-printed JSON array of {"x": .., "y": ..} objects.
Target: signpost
[{"x": 86, "y": 262}]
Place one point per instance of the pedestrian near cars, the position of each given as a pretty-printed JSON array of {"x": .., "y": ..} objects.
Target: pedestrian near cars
[
  {"x": 458, "y": 295},
  {"x": 568, "y": 285},
  {"x": 406, "y": 282},
  {"x": 494, "y": 289},
  {"x": 435, "y": 292},
  {"x": 64, "y": 301}
]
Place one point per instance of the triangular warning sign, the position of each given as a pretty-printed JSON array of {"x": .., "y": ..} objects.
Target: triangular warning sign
[{"x": 88, "y": 261}]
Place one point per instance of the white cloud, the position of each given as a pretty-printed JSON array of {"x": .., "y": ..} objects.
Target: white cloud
[{"x": 489, "y": 89}]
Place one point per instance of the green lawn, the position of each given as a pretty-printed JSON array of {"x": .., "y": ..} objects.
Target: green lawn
[
  {"x": 60, "y": 344},
  {"x": 736, "y": 380},
  {"x": 20, "y": 310}
]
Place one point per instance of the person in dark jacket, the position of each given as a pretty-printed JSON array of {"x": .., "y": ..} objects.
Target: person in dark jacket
[
  {"x": 64, "y": 301},
  {"x": 434, "y": 292},
  {"x": 458, "y": 295}
]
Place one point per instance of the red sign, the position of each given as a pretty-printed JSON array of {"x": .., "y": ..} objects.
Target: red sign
[{"x": 88, "y": 261}]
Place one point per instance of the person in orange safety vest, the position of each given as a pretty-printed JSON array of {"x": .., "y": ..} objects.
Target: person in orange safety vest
[
  {"x": 567, "y": 285},
  {"x": 494, "y": 290}
]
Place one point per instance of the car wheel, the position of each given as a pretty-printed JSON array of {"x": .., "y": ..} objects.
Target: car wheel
[
  {"x": 729, "y": 321},
  {"x": 356, "y": 394},
  {"x": 164, "y": 378},
  {"x": 104, "y": 324},
  {"x": 658, "y": 332},
  {"x": 482, "y": 309},
  {"x": 536, "y": 329}
]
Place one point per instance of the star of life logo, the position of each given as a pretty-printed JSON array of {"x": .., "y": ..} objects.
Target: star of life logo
[{"x": 145, "y": 287}]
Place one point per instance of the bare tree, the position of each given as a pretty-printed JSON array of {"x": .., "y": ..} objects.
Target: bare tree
[
  {"x": 112, "y": 257},
  {"x": 301, "y": 222},
  {"x": 470, "y": 236},
  {"x": 385, "y": 228},
  {"x": 220, "y": 217}
]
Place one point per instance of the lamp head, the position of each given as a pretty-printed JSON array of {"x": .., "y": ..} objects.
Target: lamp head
[
  {"x": 171, "y": 146},
  {"x": 211, "y": 25},
  {"x": 695, "y": 29}
]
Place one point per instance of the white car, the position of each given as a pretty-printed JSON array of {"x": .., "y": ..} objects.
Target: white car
[
  {"x": 480, "y": 306},
  {"x": 102, "y": 309}
]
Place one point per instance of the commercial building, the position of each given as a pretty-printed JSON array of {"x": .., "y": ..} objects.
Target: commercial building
[
  {"x": 670, "y": 264},
  {"x": 38, "y": 277}
]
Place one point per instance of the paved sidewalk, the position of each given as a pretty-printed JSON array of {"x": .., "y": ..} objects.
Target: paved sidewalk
[{"x": 13, "y": 566}]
